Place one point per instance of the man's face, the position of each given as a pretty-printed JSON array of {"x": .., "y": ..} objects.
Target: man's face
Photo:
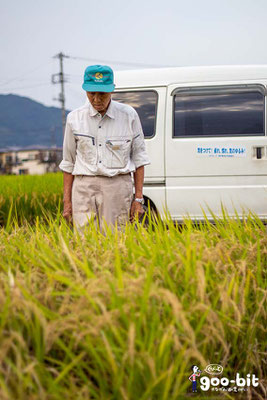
[{"x": 99, "y": 100}]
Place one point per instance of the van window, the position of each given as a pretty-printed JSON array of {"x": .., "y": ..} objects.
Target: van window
[
  {"x": 145, "y": 103},
  {"x": 219, "y": 114}
]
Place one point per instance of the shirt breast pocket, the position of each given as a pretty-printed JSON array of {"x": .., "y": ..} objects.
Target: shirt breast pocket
[
  {"x": 86, "y": 147},
  {"x": 117, "y": 151}
]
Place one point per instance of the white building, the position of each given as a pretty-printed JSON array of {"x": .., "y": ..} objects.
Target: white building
[{"x": 35, "y": 160}]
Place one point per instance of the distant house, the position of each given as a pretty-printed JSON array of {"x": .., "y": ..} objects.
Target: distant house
[{"x": 29, "y": 160}]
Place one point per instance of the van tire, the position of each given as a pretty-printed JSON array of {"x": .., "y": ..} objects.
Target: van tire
[{"x": 154, "y": 212}]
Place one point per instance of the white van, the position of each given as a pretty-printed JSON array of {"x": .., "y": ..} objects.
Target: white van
[{"x": 205, "y": 130}]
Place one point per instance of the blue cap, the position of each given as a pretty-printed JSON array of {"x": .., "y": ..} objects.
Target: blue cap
[{"x": 98, "y": 78}]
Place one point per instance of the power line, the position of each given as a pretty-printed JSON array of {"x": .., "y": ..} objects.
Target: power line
[
  {"x": 77, "y": 93},
  {"x": 32, "y": 80},
  {"x": 26, "y": 87},
  {"x": 25, "y": 73},
  {"x": 118, "y": 62}
]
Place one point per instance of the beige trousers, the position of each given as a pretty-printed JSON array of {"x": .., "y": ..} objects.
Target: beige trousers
[{"x": 103, "y": 199}]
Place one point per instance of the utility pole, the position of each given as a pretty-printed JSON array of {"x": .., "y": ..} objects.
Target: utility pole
[{"x": 59, "y": 78}]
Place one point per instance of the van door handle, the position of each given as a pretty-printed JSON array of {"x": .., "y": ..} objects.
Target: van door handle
[{"x": 258, "y": 152}]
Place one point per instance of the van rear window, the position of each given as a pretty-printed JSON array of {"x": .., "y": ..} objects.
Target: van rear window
[
  {"x": 145, "y": 104},
  {"x": 223, "y": 114}
]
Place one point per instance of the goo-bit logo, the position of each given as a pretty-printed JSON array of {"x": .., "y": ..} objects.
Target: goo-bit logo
[
  {"x": 223, "y": 383},
  {"x": 214, "y": 369},
  {"x": 220, "y": 383}
]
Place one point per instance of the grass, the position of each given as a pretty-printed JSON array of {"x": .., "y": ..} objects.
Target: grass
[{"x": 125, "y": 315}]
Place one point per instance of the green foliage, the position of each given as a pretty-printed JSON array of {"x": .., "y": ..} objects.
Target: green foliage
[{"x": 124, "y": 315}]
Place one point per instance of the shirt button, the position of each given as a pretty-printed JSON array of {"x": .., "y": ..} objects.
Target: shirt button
[
  {"x": 100, "y": 144},
  {"x": 99, "y": 127},
  {"x": 100, "y": 162}
]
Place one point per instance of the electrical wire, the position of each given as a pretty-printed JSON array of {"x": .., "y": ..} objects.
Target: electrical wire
[
  {"x": 27, "y": 87},
  {"x": 117, "y": 62},
  {"x": 26, "y": 73},
  {"x": 74, "y": 91}
]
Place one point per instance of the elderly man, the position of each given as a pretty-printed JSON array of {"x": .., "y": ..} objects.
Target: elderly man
[{"x": 103, "y": 144}]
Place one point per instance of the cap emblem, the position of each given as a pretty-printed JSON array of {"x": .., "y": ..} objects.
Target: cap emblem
[{"x": 98, "y": 75}]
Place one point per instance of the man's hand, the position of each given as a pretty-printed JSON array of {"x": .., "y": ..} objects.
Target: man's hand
[
  {"x": 67, "y": 182},
  {"x": 136, "y": 209},
  {"x": 67, "y": 212}
]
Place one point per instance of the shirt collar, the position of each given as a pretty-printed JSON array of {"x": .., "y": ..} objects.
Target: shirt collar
[{"x": 110, "y": 111}]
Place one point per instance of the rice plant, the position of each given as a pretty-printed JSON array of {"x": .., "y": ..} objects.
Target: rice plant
[
  {"x": 124, "y": 315},
  {"x": 25, "y": 196}
]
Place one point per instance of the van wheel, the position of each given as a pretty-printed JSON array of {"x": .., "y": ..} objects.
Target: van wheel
[
  {"x": 154, "y": 212},
  {"x": 151, "y": 204}
]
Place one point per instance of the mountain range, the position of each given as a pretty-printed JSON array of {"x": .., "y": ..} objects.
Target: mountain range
[{"x": 25, "y": 122}]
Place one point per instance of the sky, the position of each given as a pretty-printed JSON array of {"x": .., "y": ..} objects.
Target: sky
[{"x": 123, "y": 34}]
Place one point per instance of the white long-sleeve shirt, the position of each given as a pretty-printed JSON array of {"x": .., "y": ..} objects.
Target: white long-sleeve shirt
[{"x": 109, "y": 145}]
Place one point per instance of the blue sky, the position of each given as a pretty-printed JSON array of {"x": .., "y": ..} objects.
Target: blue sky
[{"x": 137, "y": 33}]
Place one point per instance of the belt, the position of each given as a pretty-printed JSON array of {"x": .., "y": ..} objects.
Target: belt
[{"x": 128, "y": 173}]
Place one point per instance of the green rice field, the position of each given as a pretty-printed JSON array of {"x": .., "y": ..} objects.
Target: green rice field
[{"x": 124, "y": 316}]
